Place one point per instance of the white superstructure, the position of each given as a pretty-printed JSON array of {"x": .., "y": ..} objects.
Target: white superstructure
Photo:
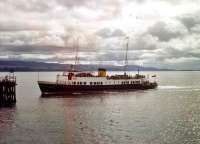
[{"x": 80, "y": 78}]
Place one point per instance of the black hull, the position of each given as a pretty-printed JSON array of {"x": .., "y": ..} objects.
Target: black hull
[{"x": 53, "y": 88}]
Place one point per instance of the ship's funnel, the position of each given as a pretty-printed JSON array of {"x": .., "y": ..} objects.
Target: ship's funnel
[{"x": 101, "y": 72}]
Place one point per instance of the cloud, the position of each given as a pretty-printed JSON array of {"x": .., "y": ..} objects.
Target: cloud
[
  {"x": 30, "y": 6},
  {"x": 165, "y": 32},
  {"x": 144, "y": 42},
  {"x": 108, "y": 33},
  {"x": 168, "y": 1},
  {"x": 196, "y": 28},
  {"x": 48, "y": 31},
  {"x": 32, "y": 49},
  {"x": 74, "y": 3},
  {"x": 190, "y": 20},
  {"x": 14, "y": 25}
]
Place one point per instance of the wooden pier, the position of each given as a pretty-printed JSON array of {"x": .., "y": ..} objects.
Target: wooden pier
[{"x": 7, "y": 90}]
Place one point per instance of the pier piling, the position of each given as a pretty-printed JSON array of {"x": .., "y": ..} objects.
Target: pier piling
[{"x": 7, "y": 90}]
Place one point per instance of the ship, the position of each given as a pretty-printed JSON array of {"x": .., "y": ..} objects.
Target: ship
[{"x": 73, "y": 81}]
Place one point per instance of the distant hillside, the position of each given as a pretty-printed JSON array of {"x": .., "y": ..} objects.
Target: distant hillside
[{"x": 6, "y": 65}]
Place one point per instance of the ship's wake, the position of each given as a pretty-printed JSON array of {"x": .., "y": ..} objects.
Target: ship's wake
[
  {"x": 180, "y": 88},
  {"x": 171, "y": 87}
]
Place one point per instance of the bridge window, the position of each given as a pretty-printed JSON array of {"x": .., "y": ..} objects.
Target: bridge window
[
  {"x": 85, "y": 83},
  {"x": 80, "y": 83},
  {"x": 90, "y": 83}
]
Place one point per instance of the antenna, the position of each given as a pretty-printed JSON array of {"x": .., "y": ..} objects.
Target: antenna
[{"x": 126, "y": 56}]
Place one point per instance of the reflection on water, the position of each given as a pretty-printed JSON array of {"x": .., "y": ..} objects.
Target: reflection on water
[
  {"x": 168, "y": 114},
  {"x": 6, "y": 119}
]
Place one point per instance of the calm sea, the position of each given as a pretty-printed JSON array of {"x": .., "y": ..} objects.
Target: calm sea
[{"x": 169, "y": 114}]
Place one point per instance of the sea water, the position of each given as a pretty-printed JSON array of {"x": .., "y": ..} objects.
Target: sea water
[{"x": 169, "y": 114}]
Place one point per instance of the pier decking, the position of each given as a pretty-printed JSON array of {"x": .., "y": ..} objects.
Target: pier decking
[{"x": 7, "y": 90}]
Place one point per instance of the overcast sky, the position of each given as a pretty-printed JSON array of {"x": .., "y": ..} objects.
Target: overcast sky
[{"x": 162, "y": 33}]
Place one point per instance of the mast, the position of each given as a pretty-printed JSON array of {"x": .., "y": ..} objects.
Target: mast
[
  {"x": 126, "y": 56},
  {"x": 76, "y": 48},
  {"x": 76, "y": 52}
]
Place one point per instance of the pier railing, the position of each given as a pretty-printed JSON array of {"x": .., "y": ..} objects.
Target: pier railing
[{"x": 8, "y": 78}]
